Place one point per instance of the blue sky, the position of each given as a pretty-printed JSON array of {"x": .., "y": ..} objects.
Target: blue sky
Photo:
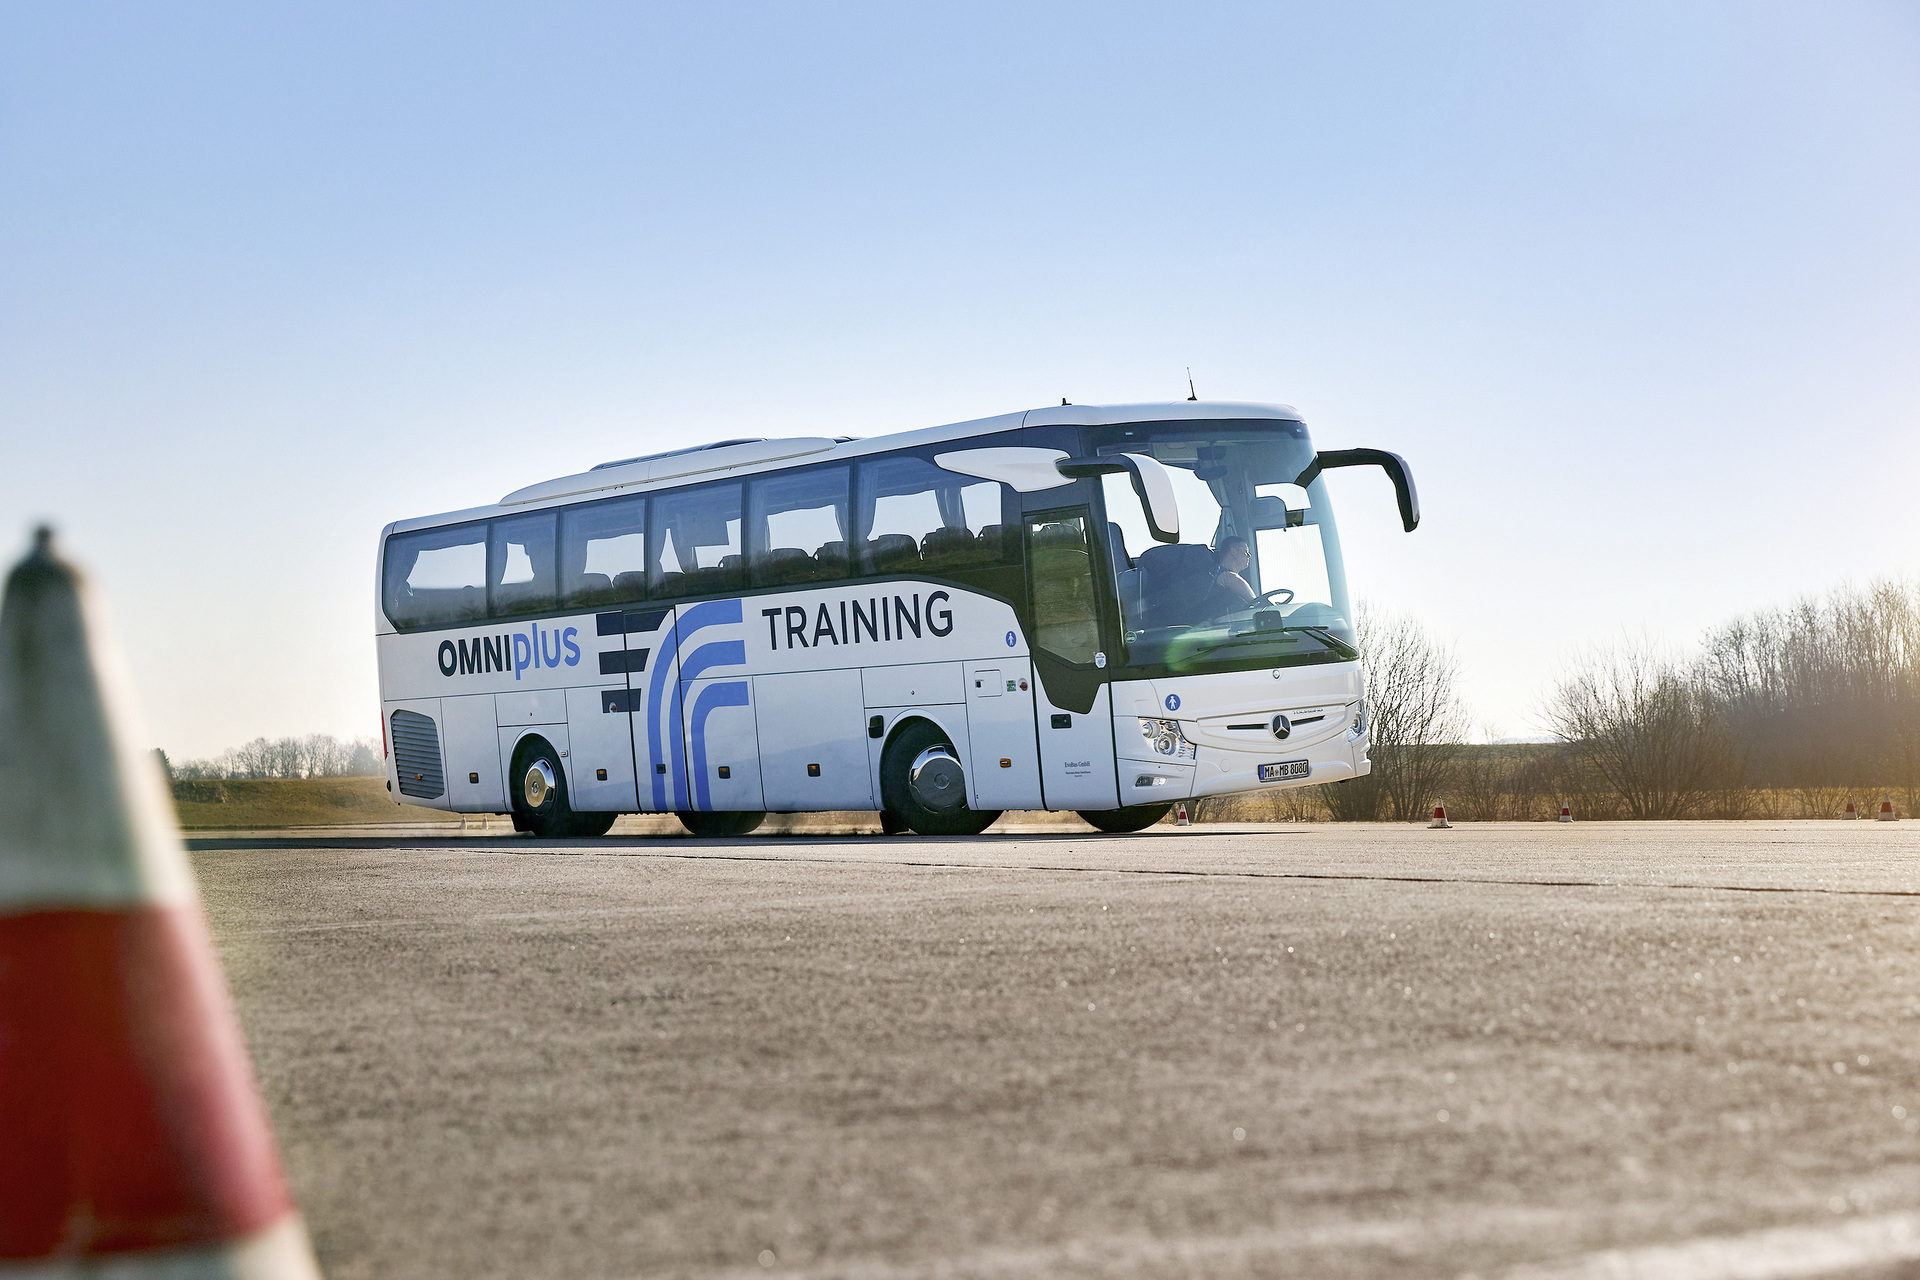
[{"x": 1636, "y": 288}]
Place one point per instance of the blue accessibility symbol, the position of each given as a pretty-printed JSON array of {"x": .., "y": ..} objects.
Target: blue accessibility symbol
[
  {"x": 1173, "y": 702},
  {"x": 1009, "y": 639}
]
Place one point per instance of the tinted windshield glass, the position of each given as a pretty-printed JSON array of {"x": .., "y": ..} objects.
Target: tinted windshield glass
[{"x": 1256, "y": 575}]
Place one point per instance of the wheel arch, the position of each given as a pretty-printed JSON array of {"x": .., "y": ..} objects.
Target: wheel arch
[{"x": 949, "y": 720}]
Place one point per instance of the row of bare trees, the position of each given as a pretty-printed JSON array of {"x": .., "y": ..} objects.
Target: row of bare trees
[
  {"x": 1782, "y": 713},
  {"x": 317, "y": 755}
]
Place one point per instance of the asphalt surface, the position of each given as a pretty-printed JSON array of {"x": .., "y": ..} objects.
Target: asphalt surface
[{"x": 1328, "y": 1051}]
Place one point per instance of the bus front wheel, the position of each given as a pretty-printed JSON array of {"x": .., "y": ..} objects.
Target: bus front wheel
[
  {"x": 923, "y": 784},
  {"x": 725, "y": 823},
  {"x": 540, "y": 791},
  {"x": 1135, "y": 817}
]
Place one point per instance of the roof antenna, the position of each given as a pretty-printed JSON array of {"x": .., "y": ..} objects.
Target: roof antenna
[
  {"x": 1063, "y": 399},
  {"x": 1191, "y": 393}
]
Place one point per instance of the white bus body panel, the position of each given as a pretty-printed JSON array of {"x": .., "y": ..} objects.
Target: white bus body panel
[
  {"x": 601, "y": 742},
  {"x": 1000, "y": 727},
  {"x": 473, "y": 750},
  {"x": 722, "y": 733},
  {"x": 1076, "y": 754},
  {"x": 814, "y": 720}
]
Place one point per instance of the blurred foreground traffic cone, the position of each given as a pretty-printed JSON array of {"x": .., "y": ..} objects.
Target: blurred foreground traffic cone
[
  {"x": 1440, "y": 818},
  {"x": 1886, "y": 813},
  {"x": 1180, "y": 818},
  {"x": 1566, "y": 813},
  {"x": 1850, "y": 812},
  {"x": 133, "y": 1142}
]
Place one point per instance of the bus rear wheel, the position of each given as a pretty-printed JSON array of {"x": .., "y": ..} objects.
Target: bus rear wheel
[
  {"x": 593, "y": 824},
  {"x": 923, "y": 784},
  {"x": 727, "y": 823},
  {"x": 540, "y": 792},
  {"x": 1135, "y": 817}
]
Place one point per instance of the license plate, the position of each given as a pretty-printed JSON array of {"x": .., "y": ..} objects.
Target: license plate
[{"x": 1284, "y": 770}]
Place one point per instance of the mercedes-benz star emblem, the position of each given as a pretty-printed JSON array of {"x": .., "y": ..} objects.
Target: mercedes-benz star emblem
[{"x": 1282, "y": 726}]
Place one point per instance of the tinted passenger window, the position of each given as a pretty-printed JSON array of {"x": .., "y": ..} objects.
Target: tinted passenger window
[
  {"x": 919, "y": 518},
  {"x": 1066, "y": 619},
  {"x": 695, "y": 545},
  {"x": 521, "y": 564},
  {"x": 436, "y": 576},
  {"x": 799, "y": 524},
  {"x": 603, "y": 553}
]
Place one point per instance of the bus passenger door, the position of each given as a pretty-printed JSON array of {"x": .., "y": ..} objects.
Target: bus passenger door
[
  {"x": 720, "y": 744},
  {"x": 1072, "y": 702},
  {"x": 1004, "y": 772}
]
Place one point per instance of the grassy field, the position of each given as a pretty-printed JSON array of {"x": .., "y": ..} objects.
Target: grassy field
[{"x": 258, "y": 803}]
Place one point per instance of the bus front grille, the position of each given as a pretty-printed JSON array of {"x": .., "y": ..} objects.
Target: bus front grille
[{"x": 416, "y": 755}]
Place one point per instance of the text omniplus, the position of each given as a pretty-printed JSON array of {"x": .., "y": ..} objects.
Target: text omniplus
[
  {"x": 872, "y": 616},
  {"x": 510, "y": 650}
]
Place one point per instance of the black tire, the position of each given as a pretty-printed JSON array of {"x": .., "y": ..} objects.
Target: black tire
[
  {"x": 593, "y": 824},
  {"x": 549, "y": 816},
  {"x": 898, "y": 797},
  {"x": 891, "y": 823},
  {"x": 725, "y": 823},
  {"x": 1135, "y": 817}
]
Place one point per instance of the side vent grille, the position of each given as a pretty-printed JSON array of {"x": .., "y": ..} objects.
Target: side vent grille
[{"x": 416, "y": 755}]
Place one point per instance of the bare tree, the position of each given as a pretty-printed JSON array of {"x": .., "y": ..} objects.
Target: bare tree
[
  {"x": 1644, "y": 728},
  {"x": 1414, "y": 721},
  {"x": 1824, "y": 695},
  {"x": 254, "y": 759}
]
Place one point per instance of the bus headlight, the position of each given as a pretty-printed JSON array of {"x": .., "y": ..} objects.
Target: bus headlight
[
  {"x": 1359, "y": 725},
  {"x": 1166, "y": 739}
]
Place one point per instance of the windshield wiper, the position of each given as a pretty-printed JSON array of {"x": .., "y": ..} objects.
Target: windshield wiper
[
  {"x": 1271, "y": 634},
  {"x": 1330, "y": 640}
]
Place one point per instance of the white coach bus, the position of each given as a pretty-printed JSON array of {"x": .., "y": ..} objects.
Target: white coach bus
[{"x": 1097, "y": 609}]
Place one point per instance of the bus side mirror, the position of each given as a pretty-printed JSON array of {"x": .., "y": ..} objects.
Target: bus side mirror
[
  {"x": 1150, "y": 481},
  {"x": 1392, "y": 463}
]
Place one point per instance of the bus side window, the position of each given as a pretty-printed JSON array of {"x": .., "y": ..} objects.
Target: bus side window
[
  {"x": 436, "y": 576},
  {"x": 695, "y": 542},
  {"x": 1066, "y": 616},
  {"x": 798, "y": 527},
  {"x": 603, "y": 555},
  {"x": 520, "y": 565},
  {"x": 916, "y": 517}
]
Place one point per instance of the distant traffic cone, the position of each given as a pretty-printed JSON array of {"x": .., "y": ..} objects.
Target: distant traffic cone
[
  {"x": 1886, "y": 813},
  {"x": 1566, "y": 813},
  {"x": 1850, "y": 813},
  {"x": 133, "y": 1142},
  {"x": 1180, "y": 818},
  {"x": 1440, "y": 818}
]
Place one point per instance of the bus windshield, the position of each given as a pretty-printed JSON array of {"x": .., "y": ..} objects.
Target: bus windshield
[{"x": 1256, "y": 577}]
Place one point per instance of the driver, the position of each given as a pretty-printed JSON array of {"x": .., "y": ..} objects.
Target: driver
[{"x": 1229, "y": 591}]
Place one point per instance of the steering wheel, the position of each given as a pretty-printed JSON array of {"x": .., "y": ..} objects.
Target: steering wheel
[{"x": 1268, "y": 597}]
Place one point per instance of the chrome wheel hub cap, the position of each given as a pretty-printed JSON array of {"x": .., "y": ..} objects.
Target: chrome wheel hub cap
[
  {"x": 936, "y": 780},
  {"x": 538, "y": 784}
]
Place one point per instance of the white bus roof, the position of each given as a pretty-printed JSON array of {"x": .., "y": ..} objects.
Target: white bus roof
[{"x": 638, "y": 475}]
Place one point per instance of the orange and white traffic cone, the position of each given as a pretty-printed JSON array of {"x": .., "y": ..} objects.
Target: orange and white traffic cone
[
  {"x": 1850, "y": 813},
  {"x": 133, "y": 1142},
  {"x": 1566, "y": 813},
  {"x": 1886, "y": 813},
  {"x": 1440, "y": 818},
  {"x": 1180, "y": 818}
]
